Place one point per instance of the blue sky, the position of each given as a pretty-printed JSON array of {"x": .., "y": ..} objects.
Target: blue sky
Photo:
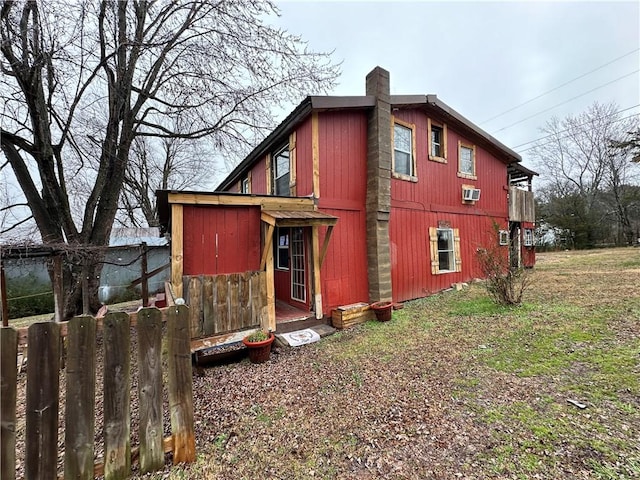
[{"x": 484, "y": 58}]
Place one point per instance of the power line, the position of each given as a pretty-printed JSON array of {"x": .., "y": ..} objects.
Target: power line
[
  {"x": 567, "y": 101},
  {"x": 560, "y": 86},
  {"x": 582, "y": 124},
  {"x": 567, "y": 136}
]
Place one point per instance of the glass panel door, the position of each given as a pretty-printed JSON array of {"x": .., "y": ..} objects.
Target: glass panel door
[{"x": 298, "y": 273}]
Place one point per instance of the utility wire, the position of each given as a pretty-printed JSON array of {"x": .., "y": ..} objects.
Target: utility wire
[
  {"x": 567, "y": 101},
  {"x": 567, "y": 136},
  {"x": 582, "y": 124},
  {"x": 560, "y": 86}
]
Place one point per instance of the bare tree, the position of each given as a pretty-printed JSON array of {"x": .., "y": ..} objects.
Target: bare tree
[
  {"x": 587, "y": 179},
  {"x": 162, "y": 163},
  {"x": 81, "y": 83}
]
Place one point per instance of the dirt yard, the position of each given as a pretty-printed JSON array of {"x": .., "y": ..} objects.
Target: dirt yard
[{"x": 452, "y": 387}]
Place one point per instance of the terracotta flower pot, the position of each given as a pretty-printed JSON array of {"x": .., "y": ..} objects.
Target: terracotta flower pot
[
  {"x": 382, "y": 310},
  {"x": 259, "y": 352}
]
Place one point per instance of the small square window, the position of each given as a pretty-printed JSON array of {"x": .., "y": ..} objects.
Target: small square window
[{"x": 504, "y": 237}]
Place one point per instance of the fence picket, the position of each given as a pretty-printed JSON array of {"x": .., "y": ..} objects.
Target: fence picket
[
  {"x": 195, "y": 310},
  {"x": 8, "y": 396},
  {"x": 180, "y": 384},
  {"x": 149, "y": 329},
  {"x": 80, "y": 401},
  {"x": 221, "y": 307},
  {"x": 245, "y": 300},
  {"x": 41, "y": 433},
  {"x": 235, "y": 317},
  {"x": 208, "y": 305},
  {"x": 117, "y": 384}
]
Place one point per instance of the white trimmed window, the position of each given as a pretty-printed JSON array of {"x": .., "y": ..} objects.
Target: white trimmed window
[
  {"x": 503, "y": 237},
  {"x": 466, "y": 160},
  {"x": 445, "y": 250},
  {"x": 528, "y": 237},
  {"x": 244, "y": 185},
  {"x": 437, "y": 141},
  {"x": 282, "y": 249},
  {"x": 403, "y": 150},
  {"x": 281, "y": 171}
]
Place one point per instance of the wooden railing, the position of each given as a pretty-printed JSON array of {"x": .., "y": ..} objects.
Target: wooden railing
[
  {"x": 521, "y": 205},
  {"x": 43, "y": 394}
]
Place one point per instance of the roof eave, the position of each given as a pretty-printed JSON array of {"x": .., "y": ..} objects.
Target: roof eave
[{"x": 434, "y": 100}]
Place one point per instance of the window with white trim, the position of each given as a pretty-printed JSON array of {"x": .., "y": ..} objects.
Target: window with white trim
[
  {"x": 281, "y": 170},
  {"x": 244, "y": 185},
  {"x": 528, "y": 237},
  {"x": 437, "y": 141},
  {"x": 503, "y": 237},
  {"x": 445, "y": 250},
  {"x": 403, "y": 148},
  {"x": 282, "y": 248},
  {"x": 466, "y": 160}
]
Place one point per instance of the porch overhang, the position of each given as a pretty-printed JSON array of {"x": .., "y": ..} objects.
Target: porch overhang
[
  {"x": 297, "y": 218},
  {"x": 293, "y": 218}
]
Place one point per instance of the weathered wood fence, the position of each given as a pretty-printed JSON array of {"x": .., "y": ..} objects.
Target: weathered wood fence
[
  {"x": 43, "y": 395},
  {"x": 225, "y": 303}
]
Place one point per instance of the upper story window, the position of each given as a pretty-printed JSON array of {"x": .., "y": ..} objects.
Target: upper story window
[
  {"x": 244, "y": 185},
  {"x": 466, "y": 161},
  {"x": 403, "y": 150},
  {"x": 437, "y": 141},
  {"x": 281, "y": 170}
]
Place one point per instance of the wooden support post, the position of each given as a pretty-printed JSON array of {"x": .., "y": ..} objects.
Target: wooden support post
[
  {"x": 58, "y": 289},
  {"x": 317, "y": 289},
  {"x": 177, "y": 249},
  {"x": 270, "y": 323},
  {"x": 143, "y": 275}
]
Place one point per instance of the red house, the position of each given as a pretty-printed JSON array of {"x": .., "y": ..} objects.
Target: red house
[{"x": 357, "y": 199}]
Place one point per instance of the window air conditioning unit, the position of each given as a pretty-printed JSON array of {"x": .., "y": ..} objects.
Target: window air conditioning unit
[{"x": 471, "y": 194}]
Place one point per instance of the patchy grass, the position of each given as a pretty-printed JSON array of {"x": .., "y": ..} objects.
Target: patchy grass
[{"x": 453, "y": 387}]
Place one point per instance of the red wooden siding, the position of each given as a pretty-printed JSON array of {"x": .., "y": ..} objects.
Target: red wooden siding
[
  {"x": 238, "y": 239},
  {"x": 304, "y": 159},
  {"x": 343, "y": 159},
  {"x": 410, "y": 256},
  {"x": 342, "y": 151},
  {"x": 259, "y": 178},
  {"x": 438, "y": 184},
  {"x": 344, "y": 272}
]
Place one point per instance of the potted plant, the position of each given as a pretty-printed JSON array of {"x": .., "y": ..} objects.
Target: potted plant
[
  {"x": 259, "y": 345},
  {"x": 382, "y": 310}
]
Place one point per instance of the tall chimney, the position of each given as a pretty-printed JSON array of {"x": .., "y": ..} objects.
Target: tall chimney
[{"x": 378, "y": 205}]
